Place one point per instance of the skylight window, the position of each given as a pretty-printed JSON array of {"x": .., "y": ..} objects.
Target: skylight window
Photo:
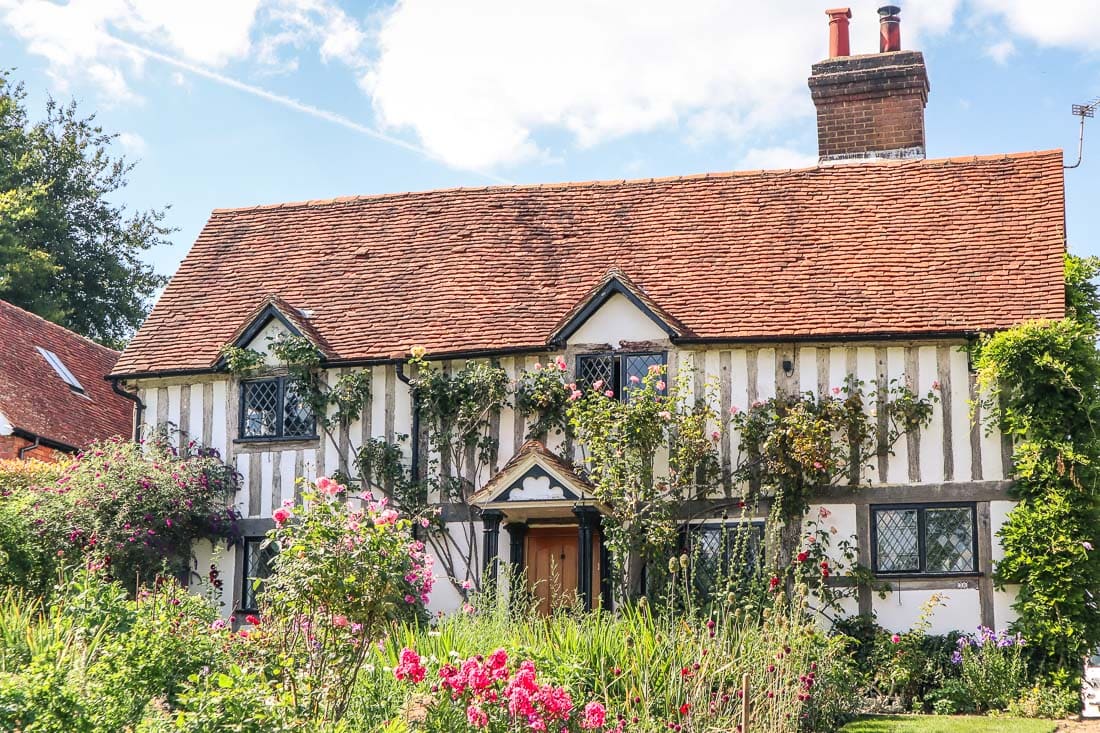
[{"x": 62, "y": 371}]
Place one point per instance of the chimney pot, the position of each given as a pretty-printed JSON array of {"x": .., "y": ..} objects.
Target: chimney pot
[
  {"x": 889, "y": 29},
  {"x": 838, "y": 32}
]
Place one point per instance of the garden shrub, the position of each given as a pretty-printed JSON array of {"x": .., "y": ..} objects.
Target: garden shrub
[
  {"x": 1045, "y": 701},
  {"x": 27, "y": 560}
]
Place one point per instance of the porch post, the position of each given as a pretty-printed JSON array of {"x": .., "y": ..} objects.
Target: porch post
[
  {"x": 587, "y": 518},
  {"x": 517, "y": 532},
  {"x": 490, "y": 519}
]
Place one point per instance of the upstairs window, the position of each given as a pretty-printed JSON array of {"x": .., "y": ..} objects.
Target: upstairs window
[
  {"x": 259, "y": 559},
  {"x": 272, "y": 409},
  {"x": 62, "y": 371},
  {"x": 615, "y": 370},
  {"x": 932, "y": 539}
]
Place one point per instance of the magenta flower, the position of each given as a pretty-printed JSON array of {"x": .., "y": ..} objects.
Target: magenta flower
[{"x": 594, "y": 716}]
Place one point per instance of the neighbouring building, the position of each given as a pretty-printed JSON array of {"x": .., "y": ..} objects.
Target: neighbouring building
[
  {"x": 877, "y": 263},
  {"x": 54, "y": 396}
]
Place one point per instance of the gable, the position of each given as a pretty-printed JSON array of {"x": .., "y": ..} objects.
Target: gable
[
  {"x": 617, "y": 319},
  {"x": 265, "y": 336}
]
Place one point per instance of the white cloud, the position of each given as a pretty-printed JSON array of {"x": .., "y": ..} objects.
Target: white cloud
[
  {"x": 1001, "y": 51},
  {"x": 132, "y": 142},
  {"x": 1071, "y": 23},
  {"x": 478, "y": 87},
  {"x": 775, "y": 158}
]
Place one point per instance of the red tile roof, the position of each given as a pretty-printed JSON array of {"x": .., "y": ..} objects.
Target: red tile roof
[
  {"x": 35, "y": 399},
  {"x": 915, "y": 247}
]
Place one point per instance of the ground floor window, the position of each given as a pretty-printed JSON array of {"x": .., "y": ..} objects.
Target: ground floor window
[
  {"x": 722, "y": 551},
  {"x": 259, "y": 556},
  {"x": 932, "y": 539}
]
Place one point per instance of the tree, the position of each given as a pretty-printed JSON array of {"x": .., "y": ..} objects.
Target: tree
[{"x": 68, "y": 252}]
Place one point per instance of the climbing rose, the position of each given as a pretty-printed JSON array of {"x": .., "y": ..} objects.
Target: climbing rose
[
  {"x": 328, "y": 487},
  {"x": 574, "y": 395},
  {"x": 609, "y": 393},
  {"x": 281, "y": 515},
  {"x": 895, "y": 639},
  {"x": 660, "y": 385},
  {"x": 388, "y": 516}
]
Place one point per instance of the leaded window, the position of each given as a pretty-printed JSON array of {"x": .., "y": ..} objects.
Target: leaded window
[
  {"x": 614, "y": 371},
  {"x": 721, "y": 552},
  {"x": 934, "y": 539},
  {"x": 259, "y": 558},
  {"x": 272, "y": 408}
]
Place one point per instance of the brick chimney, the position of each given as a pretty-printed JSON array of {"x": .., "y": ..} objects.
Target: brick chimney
[{"x": 869, "y": 107}]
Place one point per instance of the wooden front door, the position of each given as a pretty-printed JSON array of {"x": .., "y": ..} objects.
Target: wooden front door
[{"x": 551, "y": 555}]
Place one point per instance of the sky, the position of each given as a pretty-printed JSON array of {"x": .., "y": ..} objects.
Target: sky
[{"x": 226, "y": 103}]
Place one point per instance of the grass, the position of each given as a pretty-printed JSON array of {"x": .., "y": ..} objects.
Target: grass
[{"x": 947, "y": 724}]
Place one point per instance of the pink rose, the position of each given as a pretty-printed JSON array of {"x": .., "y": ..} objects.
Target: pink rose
[
  {"x": 895, "y": 639},
  {"x": 538, "y": 366},
  {"x": 574, "y": 395},
  {"x": 388, "y": 516},
  {"x": 664, "y": 415},
  {"x": 328, "y": 487},
  {"x": 836, "y": 390},
  {"x": 634, "y": 379},
  {"x": 734, "y": 410},
  {"x": 281, "y": 515},
  {"x": 340, "y": 622},
  {"x": 598, "y": 384},
  {"x": 660, "y": 385},
  {"x": 609, "y": 393}
]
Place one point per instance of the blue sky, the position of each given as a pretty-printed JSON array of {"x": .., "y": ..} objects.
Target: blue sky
[{"x": 238, "y": 102}]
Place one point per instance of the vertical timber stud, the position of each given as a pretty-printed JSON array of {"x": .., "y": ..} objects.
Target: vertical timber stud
[
  {"x": 985, "y": 563},
  {"x": 605, "y": 568},
  {"x": 586, "y": 517},
  {"x": 490, "y": 527},
  {"x": 517, "y": 534},
  {"x": 863, "y": 540}
]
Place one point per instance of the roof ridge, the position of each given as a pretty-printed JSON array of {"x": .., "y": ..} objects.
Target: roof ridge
[
  {"x": 48, "y": 322},
  {"x": 355, "y": 198}
]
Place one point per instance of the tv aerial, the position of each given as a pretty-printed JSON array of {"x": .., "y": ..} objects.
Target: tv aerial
[{"x": 1083, "y": 111}]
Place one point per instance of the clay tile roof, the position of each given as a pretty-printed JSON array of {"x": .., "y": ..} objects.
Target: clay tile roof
[
  {"x": 895, "y": 248},
  {"x": 36, "y": 400}
]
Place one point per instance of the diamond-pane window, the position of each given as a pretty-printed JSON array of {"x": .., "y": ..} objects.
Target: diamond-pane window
[
  {"x": 934, "y": 539},
  {"x": 270, "y": 408},
  {"x": 719, "y": 551},
  {"x": 259, "y": 556},
  {"x": 898, "y": 541},
  {"x": 615, "y": 370}
]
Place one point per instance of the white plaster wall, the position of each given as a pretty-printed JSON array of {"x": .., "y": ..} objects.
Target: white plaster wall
[
  {"x": 203, "y": 555},
  {"x": 842, "y": 517},
  {"x": 262, "y": 341},
  {"x": 444, "y": 596},
  {"x": 1003, "y": 612},
  {"x": 617, "y": 320},
  {"x": 998, "y": 515},
  {"x": 901, "y": 608}
]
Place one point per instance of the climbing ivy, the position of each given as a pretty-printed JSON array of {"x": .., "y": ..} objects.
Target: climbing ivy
[{"x": 1041, "y": 386}]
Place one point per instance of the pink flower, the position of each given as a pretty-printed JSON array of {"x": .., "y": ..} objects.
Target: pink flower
[
  {"x": 598, "y": 384},
  {"x": 340, "y": 622},
  {"x": 594, "y": 716},
  {"x": 664, "y": 415},
  {"x": 388, "y": 516},
  {"x": 836, "y": 390},
  {"x": 936, "y": 384},
  {"x": 734, "y": 410},
  {"x": 538, "y": 367},
  {"x": 895, "y": 639},
  {"x": 1086, "y": 545},
  {"x": 654, "y": 368},
  {"x": 409, "y": 667},
  {"x": 634, "y": 379},
  {"x": 609, "y": 393},
  {"x": 250, "y": 619},
  {"x": 281, "y": 515},
  {"x": 467, "y": 585},
  {"x": 574, "y": 395},
  {"x": 476, "y": 717},
  {"x": 328, "y": 487},
  {"x": 824, "y": 513},
  {"x": 560, "y": 362},
  {"x": 716, "y": 435},
  {"x": 818, "y": 465},
  {"x": 410, "y": 599},
  {"x": 660, "y": 385}
]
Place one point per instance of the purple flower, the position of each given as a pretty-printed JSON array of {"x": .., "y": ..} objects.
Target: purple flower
[
  {"x": 1087, "y": 545},
  {"x": 956, "y": 657}
]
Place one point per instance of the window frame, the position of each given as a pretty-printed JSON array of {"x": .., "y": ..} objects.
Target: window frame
[
  {"x": 246, "y": 589},
  {"x": 620, "y": 362},
  {"x": 922, "y": 543},
  {"x": 730, "y": 527},
  {"x": 280, "y": 411}
]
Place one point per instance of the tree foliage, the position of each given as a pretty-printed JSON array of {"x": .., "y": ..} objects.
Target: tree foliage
[{"x": 68, "y": 250}]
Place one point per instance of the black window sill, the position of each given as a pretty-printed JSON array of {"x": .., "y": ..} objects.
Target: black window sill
[
  {"x": 278, "y": 439},
  {"x": 966, "y": 574}
]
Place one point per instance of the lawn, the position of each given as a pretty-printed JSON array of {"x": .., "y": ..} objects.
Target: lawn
[{"x": 947, "y": 724}]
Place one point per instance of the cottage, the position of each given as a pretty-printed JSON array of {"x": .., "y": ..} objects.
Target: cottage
[
  {"x": 53, "y": 396},
  {"x": 877, "y": 264}
]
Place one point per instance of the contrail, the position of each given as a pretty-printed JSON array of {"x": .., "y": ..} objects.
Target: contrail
[{"x": 292, "y": 103}]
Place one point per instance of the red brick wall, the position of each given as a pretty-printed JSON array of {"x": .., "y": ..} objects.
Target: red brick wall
[
  {"x": 10, "y": 446},
  {"x": 870, "y": 105}
]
